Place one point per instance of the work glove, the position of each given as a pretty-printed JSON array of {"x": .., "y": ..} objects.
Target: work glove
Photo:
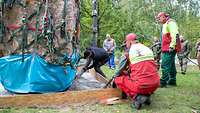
[
  {"x": 185, "y": 55},
  {"x": 77, "y": 76},
  {"x": 82, "y": 71},
  {"x": 171, "y": 50}
]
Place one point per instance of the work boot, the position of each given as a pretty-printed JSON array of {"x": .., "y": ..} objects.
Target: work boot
[
  {"x": 142, "y": 98},
  {"x": 139, "y": 100},
  {"x": 137, "y": 104},
  {"x": 163, "y": 85},
  {"x": 148, "y": 101},
  {"x": 172, "y": 84},
  {"x": 183, "y": 73}
]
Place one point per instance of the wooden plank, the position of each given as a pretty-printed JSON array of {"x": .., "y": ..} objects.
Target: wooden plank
[
  {"x": 61, "y": 98},
  {"x": 58, "y": 99},
  {"x": 113, "y": 100}
]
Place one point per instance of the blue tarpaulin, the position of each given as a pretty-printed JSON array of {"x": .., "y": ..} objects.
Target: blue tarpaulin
[{"x": 34, "y": 75}]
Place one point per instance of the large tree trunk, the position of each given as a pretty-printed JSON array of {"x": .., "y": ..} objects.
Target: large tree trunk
[{"x": 13, "y": 20}]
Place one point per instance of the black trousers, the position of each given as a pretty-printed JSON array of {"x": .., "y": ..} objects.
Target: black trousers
[{"x": 98, "y": 70}]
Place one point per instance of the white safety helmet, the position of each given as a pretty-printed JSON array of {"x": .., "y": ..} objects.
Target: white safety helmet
[{"x": 107, "y": 36}]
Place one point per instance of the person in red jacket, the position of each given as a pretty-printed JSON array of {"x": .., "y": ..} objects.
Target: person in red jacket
[
  {"x": 143, "y": 78},
  {"x": 170, "y": 45}
]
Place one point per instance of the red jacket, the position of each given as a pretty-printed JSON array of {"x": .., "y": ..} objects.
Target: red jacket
[
  {"x": 169, "y": 36},
  {"x": 144, "y": 77}
]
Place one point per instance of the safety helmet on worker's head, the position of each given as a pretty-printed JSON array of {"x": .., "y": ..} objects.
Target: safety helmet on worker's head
[
  {"x": 162, "y": 17},
  {"x": 107, "y": 35},
  {"x": 130, "y": 37},
  {"x": 162, "y": 14}
]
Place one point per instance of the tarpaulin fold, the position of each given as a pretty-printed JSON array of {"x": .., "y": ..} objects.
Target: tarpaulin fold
[{"x": 34, "y": 75}]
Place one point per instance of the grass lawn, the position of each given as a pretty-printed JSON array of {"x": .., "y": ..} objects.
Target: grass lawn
[{"x": 181, "y": 99}]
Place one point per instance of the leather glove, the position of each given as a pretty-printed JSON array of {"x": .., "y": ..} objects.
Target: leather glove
[
  {"x": 171, "y": 49},
  {"x": 84, "y": 69}
]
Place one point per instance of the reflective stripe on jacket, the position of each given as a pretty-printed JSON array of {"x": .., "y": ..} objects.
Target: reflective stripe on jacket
[{"x": 138, "y": 53}]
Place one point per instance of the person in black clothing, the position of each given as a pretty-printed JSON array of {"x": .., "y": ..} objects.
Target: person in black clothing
[{"x": 98, "y": 57}]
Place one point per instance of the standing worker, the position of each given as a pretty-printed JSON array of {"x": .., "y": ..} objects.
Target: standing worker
[
  {"x": 143, "y": 78},
  {"x": 198, "y": 52},
  {"x": 170, "y": 45},
  {"x": 109, "y": 45},
  {"x": 156, "y": 48},
  {"x": 184, "y": 54}
]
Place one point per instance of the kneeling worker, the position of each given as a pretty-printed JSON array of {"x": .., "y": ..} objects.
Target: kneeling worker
[{"x": 143, "y": 79}]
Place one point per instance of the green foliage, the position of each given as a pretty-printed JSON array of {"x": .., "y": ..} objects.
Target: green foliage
[{"x": 124, "y": 16}]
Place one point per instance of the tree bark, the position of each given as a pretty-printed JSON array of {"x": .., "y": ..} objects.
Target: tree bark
[{"x": 95, "y": 22}]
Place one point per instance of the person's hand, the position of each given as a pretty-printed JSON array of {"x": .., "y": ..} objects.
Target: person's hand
[
  {"x": 84, "y": 69},
  {"x": 77, "y": 76},
  {"x": 185, "y": 55},
  {"x": 125, "y": 72},
  {"x": 171, "y": 49}
]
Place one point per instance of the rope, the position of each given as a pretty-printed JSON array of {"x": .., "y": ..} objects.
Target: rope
[
  {"x": 37, "y": 13},
  {"x": 48, "y": 31},
  {"x": 43, "y": 36},
  {"x": 24, "y": 32},
  {"x": 2, "y": 27},
  {"x": 63, "y": 33},
  {"x": 25, "y": 28}
]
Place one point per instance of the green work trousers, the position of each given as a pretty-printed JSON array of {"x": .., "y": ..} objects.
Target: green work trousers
[{"x": 168, "y": 68}]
